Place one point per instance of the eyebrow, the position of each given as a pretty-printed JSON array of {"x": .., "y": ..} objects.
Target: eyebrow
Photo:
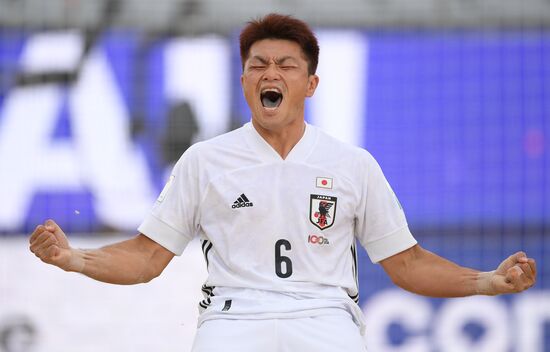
[{"x": 278, "y": 60}]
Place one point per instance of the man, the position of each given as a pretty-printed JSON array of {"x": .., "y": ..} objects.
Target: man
[{"x": 278, "y": 206}]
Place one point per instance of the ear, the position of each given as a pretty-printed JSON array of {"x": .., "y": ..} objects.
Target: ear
[{"x": 313, "y": 82}]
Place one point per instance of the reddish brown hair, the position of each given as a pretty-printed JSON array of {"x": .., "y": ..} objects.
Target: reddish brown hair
[{"x": 275, "y": 26}]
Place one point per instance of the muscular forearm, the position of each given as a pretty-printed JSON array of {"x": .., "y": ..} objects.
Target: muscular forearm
[
  {"x": 125, "y": 263},
  {"x": 134, "y": 261},
  {"x": 420, "y": 271},
  {"x": 425, "y": 273}
]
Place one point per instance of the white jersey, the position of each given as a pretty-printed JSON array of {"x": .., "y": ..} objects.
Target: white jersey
[{"x": 278, "y": 235}]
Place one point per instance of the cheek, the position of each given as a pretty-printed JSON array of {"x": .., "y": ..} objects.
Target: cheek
[
  {"x": 298, "y": 90},
  {"x": 246, "y": 86},
  {"x": 249, "y": 83},
  {"x": 249, "y": 95}
]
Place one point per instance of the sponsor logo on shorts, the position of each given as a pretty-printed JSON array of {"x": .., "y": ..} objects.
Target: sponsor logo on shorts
[
  {"x": 320, "y": 240},
  {"x": 227, "y": 305}
]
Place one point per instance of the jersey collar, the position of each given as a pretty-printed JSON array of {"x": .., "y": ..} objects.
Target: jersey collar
[{"x": 299, "y": 153}]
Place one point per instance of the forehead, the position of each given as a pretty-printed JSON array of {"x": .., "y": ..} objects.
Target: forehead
[{"x": 276, "y": 48}]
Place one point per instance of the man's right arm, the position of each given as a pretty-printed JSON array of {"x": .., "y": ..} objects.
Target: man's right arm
[{"x": 134, "y": 261}]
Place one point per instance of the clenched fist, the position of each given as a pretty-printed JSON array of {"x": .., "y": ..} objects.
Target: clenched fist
[
  {"x": 49, "y": 243},
  {"x": 515, "y": 274}
]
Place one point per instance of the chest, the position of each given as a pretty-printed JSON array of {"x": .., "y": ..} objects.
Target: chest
[{"x": 281, "y": 198}]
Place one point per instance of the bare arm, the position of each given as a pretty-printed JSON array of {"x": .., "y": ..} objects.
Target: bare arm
[
  {"x": 420, "y": 271},
  {"x": 133, "y": 261}
]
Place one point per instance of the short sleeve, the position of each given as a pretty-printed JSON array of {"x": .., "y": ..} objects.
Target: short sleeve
[
  {"x": 173, "y": 220},
  {"x": 381, "y": 225}
]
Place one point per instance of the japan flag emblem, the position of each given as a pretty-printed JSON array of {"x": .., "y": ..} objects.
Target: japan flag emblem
[
  {"x": 323, "y": 182},
  {"x": 322, "y": 210}
]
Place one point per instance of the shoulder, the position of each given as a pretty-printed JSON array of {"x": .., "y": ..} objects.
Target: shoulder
[
  {"x": 214, "y": 146},
  {"x": 226, "y": 140},
  {"x": 220, "y": 154},
  {"x": 229, "y": 138},
  {"x": 332, "y": 149}
]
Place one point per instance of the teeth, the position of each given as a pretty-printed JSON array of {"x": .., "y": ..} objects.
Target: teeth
[{"x": 276, "y": 90}]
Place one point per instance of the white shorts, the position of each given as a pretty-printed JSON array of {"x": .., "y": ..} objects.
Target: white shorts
[{"x": 323, "y": 333}]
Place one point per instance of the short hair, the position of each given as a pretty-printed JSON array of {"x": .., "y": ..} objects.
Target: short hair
[{"x": 276, "y": 26}]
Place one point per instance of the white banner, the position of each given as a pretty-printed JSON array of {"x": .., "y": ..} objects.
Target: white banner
[{"x": 44, "y": 309}]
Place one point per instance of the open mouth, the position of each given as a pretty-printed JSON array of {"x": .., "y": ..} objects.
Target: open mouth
[{"x": 271, "y": 98}]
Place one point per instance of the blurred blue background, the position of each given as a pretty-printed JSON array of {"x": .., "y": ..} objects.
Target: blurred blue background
[{"x": 459, "y": 120}]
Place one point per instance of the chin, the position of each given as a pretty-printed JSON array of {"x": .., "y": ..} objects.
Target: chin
[
  {"x": 269, "y": 122},
  {"x": 269, "y": 115}
]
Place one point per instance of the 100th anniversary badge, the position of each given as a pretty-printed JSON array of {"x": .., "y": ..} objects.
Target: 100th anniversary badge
[{"x": 322, "y": 210}]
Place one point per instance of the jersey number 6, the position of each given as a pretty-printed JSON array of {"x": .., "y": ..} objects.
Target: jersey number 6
[{"x": 280, "y": 259}]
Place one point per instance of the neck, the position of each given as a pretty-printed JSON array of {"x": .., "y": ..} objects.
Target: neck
[{"x": 284, "y": 139}]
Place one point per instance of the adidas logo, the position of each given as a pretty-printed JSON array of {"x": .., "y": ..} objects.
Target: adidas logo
[{"x": 242, "y": 202}]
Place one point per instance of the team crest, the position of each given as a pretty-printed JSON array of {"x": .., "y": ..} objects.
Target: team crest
[{"x": 322, "y": 210}]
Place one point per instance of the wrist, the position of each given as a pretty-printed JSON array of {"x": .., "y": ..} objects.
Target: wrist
[
  {"x": 484, "y": 283},
  {"x": 76, "y": 261}
]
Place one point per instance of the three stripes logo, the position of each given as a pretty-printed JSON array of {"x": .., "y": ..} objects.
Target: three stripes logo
[{"x": 242, "y": 202}]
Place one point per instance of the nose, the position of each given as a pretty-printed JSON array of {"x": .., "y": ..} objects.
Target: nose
[{"x": 271, "y": 72}]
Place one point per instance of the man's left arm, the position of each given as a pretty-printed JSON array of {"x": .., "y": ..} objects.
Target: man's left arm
[{"x": 420, "y": 271}]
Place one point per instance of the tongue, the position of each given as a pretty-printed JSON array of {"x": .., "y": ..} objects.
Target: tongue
[{"x": 271, "y": 100}]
